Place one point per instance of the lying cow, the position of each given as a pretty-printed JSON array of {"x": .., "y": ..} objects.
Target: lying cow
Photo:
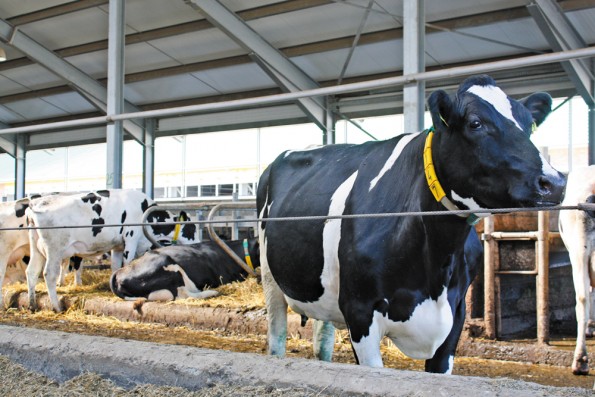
[
  {"x": 403, "y": 277},
  {"x": 105, "y": 207},
  {"x": 577, "y": 229},
  {"x": 183, "y": 271}
]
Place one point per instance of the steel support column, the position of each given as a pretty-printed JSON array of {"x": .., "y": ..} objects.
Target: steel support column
[
  {"x": 149, "y": 158},
  {"x": 413, "y": 62},
  {"x": 329, "y": 124},
  {"x": 115, "y": 92},
  {"x": 591, "y": 131},
  {"x": 19, "y": 169}
]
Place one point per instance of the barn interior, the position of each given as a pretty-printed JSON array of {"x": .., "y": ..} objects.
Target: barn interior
[{"x": 106, "y": 72}]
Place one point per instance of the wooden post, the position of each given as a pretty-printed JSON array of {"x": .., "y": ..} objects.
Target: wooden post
[
  {"x": 490, "y": 252},
  {"x": 542, "y": 294}
]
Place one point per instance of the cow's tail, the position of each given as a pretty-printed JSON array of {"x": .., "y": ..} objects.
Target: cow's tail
[{"x": 262, "y": 194}]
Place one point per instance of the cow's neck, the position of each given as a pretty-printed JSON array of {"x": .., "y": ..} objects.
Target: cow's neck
[
  {"x": 448, "y": 232},
  {"x": 435, "y": 185}
]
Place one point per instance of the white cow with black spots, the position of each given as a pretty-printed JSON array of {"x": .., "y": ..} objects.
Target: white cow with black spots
[{"x": 49, "y": 245}]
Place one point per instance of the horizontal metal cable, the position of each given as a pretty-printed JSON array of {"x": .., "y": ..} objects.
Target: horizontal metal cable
[{"x": 581, "y": 206}]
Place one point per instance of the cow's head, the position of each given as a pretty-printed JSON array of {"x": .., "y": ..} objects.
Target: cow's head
[{"x": 482, "y": 149}]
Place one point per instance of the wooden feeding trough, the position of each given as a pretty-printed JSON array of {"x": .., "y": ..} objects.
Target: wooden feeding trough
[{"x": 538, "y": 227}]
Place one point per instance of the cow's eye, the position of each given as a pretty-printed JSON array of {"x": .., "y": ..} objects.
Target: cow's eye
[{"x": 475, "y": 124}]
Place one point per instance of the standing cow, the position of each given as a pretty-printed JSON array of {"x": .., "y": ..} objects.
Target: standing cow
[
  {"x": 104, "y": 207},
  {"x": 577, "y": 229},
  {"x": 401, "y": 277},
  {"x": 183, "y": 271}
]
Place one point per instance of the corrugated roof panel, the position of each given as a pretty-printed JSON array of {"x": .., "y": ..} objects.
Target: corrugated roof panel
[
  {"x": 94, "y": 63},
  {"x": 194, "y": 47},
  {"x": 234, "y": 78},
  {"x": 584, "y": 22},
  {"x": 144, "y": 56},
  {"x": 30, "y": 77},
  {"x": 143, "y": 15},
  {"x": 318, "y": 24},
  {"x": 70, "y": 103},
  {"x": 9, "y": 9},
  {"x": 8, "y": 116},
  {"x": 35, "y": 109},
  {"x": 70, "y": 29},
  {"x": 167, "y": 89}
]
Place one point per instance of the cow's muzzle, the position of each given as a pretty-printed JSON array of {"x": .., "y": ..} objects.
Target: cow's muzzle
[{"x": 551, "y": 189}]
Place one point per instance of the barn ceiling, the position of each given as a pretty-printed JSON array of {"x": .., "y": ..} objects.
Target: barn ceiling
[{"x": 174, "y": 56}]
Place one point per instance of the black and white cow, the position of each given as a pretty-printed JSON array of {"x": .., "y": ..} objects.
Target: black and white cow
[
  {"x": 401, "y": 277},
  {"x": 577, "y": 229},
  {"x": 183, "y": 271},
  {"x": 104, "y": 207}
]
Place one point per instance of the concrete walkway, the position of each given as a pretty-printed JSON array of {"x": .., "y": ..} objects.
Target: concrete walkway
[{"x": 62, "y": 356}]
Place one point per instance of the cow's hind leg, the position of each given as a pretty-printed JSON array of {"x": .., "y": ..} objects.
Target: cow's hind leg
[
  {"x": 34, "y": 268},
  {"x": 443, "y": 359},
  {"x": 580, "y": 276},
  {"x": 51, "y": 272},
  {"x": 323, "y": 340},
  {"x": 276, "y": 311}
]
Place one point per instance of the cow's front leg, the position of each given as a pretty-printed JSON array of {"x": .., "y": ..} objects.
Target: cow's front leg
[
  {"x": 443, "y": 359},
  {"x": 116, "y": 260},
  {"x": 366, "y": 332},
  {"x": 51, "y": 273},
  {"x": 276, "y": 311}
]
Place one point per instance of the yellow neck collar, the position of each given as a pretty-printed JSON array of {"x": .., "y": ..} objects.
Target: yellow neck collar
[{"x": 436, "y": 187}]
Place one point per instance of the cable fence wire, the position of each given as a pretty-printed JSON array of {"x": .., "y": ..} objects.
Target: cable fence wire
[{"x": 493, "y": 211}]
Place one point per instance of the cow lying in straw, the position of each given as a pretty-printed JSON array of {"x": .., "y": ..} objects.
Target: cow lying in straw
[{"x": 183, "y": 271}]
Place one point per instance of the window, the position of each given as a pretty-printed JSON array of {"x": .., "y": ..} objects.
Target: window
[
  {"x": 208, "y": 190},
  {"x": 226, "y": 190},
  {"x": 192, "y": 191}
]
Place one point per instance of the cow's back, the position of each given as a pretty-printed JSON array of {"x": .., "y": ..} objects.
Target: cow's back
[{"x": 105, "y": 207}]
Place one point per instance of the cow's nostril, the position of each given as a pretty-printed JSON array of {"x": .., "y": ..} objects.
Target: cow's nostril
[{"x": 545, "y": 185}]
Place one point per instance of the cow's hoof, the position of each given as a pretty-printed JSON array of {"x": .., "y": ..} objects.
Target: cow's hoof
[
  {"x": 590, "y": 329},
  {"x": 580, "y": 366}
]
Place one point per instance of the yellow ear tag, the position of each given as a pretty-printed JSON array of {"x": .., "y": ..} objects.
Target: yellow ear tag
[{"x": 533, "y": 127}]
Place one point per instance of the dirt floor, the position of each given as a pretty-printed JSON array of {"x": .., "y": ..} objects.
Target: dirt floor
[{"x": 245, "y": 297}]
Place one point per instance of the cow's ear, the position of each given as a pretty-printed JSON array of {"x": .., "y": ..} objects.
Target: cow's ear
[
  {"x": 539, "y": 104},
  {"x": 440, "y": 106}
]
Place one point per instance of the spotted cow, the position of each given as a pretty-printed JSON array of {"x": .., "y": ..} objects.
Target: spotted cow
[
  {"x": 403, "y": 277},
  {"x": 93, "y": 212},
  {"x": 577, "y": 229},
  {"x": 183, "y": 271}
]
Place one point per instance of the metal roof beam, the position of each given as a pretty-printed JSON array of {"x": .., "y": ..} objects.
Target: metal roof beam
[
  {"x": 88, "y": 87},
  {"x": 277, "y": 65},
  {"x": 562, "y": 36}
]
